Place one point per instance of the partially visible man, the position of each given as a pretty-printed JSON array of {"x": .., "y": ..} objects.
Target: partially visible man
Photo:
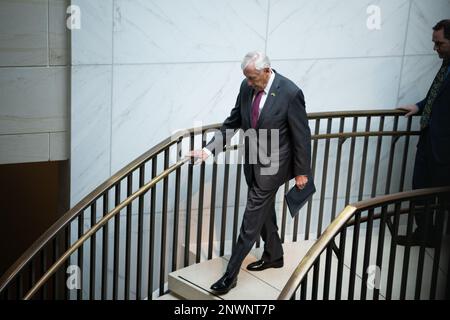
[
  {"x": 267, "y": 102},
  {"x": 432, "y": 164}
]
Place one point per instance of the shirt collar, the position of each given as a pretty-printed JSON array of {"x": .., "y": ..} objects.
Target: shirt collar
[{"x": 269, "y": 83}]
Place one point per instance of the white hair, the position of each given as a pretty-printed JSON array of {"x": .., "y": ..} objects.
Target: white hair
[{"x": 260, "y": 60}]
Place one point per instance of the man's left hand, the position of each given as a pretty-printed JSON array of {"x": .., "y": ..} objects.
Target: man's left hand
[{"x": 301, "y": 181}]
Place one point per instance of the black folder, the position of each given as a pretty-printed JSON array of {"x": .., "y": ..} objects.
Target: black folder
[{"x": 296, "y": 198}]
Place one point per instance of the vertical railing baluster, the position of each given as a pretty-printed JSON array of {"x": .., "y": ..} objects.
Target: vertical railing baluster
[
  {"x": 151, "y": 251},
  {"x": 447, "y": 284},
  {"x": 304, "y": 288},
  {"x": 140, "y": 236},
  {"x": 162, "y": 265},
  {"x": 355, "y": 242},
  {"x": 187, "y": 238},
  {"x": 392, "y": 251},
  {"x": 377, "y": 158},
  {"x": 19, "y": 286},
  {"x": 212, "y": 209},
  {"x": 367, "y": 251},
  {"x": 225, "y": 204},
  {"x": 340, "y": 142},
  {"x": 32, "y": 274},
  {"x": 405, "y": 156},
  {"x": 201, "y": 192},
  {"x": 380, "y": 246},
  {"x": 283, "y": 214},
  {"x": 315, "y": 281},
  {"x": 105, "y": 248},
  {"x": 55, "y": 279},
  {"x": 67, "y": 245},
  {"x": 350, "y": 162},
  {"x": 326, "y": 282},
  {"x": 394, "y": 139},
  {"x": 340, "y": 267},
  {"x": 128, "y": 238},
  {"x": 92, "y": 261},
  {"x": 364, "y": 161},
  {"x": 116, "y": 245},
  {"x": 296, "y": 223},
  {"x": 440, "y": 220},
  {"x": 237, "y": 190},
  {"x": 313, "y": 171},
  {"x": 81, "y": 255},
  {"x": 405, "y": 269},
  {"x": 324, "y": 179},
  {"x": 421, "y": 261},
  {"x": 176, "y": 210}
]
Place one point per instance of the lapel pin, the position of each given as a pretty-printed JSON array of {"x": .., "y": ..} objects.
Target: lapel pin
[{"x": 273, "y": 94}]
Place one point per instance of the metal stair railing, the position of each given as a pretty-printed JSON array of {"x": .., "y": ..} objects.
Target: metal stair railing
[
  {"x": 429, "y": 201},
  {"x": 129, "y": 233}
]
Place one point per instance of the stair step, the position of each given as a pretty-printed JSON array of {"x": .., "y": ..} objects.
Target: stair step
[
  {"x": 194, "y": 281},
  {"x": 169, "y": 296}
]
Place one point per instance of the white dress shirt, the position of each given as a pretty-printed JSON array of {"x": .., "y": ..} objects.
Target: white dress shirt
[{"x": 266, "y": 91}]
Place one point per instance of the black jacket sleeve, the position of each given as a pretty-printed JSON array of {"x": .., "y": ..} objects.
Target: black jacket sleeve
[
  {"x": 300, "y": 135},
  {"x": 223, "y": 136}
]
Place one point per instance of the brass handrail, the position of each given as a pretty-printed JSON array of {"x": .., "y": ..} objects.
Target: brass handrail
[
  {"x": 98, "y": 225},
  {"x": 93, "y": 229},
  {"x": 363, "y": 134},
  {"x": 336, "y": 225},
  {"x": 62, "y": 222},
  {"x": 356, "y": 113}
]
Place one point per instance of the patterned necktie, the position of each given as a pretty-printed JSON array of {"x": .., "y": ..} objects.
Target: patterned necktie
[
  {"x": 255, "y": 108},
  {"x": 434, "y": 90}
]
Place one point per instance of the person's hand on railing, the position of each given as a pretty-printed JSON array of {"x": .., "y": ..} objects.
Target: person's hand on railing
[
  {"x": 411, "y": 108},
  {"x": 198, "y": 156}
]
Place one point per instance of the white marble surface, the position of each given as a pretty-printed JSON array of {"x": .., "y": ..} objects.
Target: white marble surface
[
  {"x": 23, "y": 148},
  {"x": 331, "y": 29},
  {"x": 150, "y": 102},
  {"x": 59, "y": 146},
  {"x": 417, "y": 76},
  {"x": 23, "y": 33},
  {"x": 424, "y": 16},
  {"x": 33, "y": 100},
  {"x": 58, "y": 32},
  {"x": 345, "y": 84},
  {"x": 164, "y": 76},
  {"x": 90, "y": 129},
  {"x": 187, "y": 31},
  {"x": 92, "y": 43}
]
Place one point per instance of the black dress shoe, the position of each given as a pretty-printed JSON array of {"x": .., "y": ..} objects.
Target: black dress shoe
[
  {"x": 224, "y": 284},
  {"x": 261, "y": 265},
  {"x": 418, "y": 239}
]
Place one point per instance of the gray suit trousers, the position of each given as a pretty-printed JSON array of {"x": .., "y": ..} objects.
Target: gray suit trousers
[{"x": 259, "y": 219}]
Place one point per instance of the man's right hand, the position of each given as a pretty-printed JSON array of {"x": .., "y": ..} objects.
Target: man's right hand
[
  {"x": 411, "y": 108},
  {"x": 198, "y": 155}
]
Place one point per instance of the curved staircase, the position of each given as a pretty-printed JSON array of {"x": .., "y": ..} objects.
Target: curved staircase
[{"x": 161, "y": 225}]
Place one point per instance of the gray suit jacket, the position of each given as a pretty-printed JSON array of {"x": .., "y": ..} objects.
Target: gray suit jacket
[{"x": 283, "y": 114}]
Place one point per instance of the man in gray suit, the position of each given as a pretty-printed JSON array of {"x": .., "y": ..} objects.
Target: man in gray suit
[{"x": 272, "y": 107}]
